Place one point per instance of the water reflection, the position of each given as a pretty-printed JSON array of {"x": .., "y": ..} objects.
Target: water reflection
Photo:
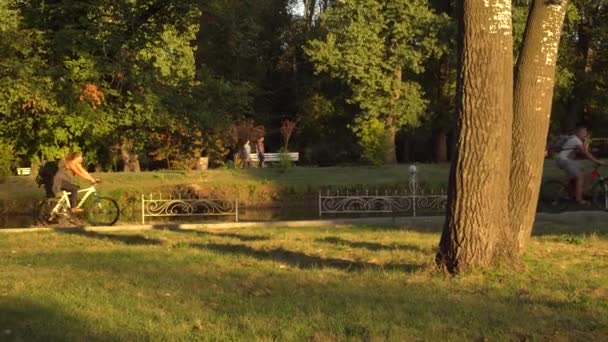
[
  {"x": 16, "y": 221},
  {"x": 245, "y": 215}
]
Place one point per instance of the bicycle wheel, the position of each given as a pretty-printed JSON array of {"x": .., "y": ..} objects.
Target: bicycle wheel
[
  {"x": 599, "y": 195},
  {"x": 44, "y": 212},
  {"x": 102, "y": 212},
  {"x": 554, "y": 196}
]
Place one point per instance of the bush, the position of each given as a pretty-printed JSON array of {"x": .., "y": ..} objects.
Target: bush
[
  {"x": 285, "y": 163},
  {"x": 7, "y": 160},
  {"x": 373, "y": 141}
]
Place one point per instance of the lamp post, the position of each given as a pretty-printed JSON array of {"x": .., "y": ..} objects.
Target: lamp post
[{"x": 413, "y": 186}]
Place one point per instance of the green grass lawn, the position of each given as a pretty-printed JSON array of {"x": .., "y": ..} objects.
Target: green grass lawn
[{"x": 295, "y": 284}]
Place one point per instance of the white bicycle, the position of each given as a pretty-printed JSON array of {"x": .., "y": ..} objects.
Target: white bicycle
[{"x": 98, "y": 211}]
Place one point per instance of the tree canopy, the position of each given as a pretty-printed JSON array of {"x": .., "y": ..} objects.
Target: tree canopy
[{"x": 161, "y": 82}]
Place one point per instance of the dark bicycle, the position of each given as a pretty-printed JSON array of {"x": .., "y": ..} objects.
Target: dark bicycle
[{"x": 556, "y": 196}]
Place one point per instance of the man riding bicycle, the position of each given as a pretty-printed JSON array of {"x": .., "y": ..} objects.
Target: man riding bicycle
[{"x": 566, "y": 160}]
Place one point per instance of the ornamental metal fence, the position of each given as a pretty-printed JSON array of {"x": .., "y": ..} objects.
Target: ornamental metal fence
[
  {"x": 158, "y": 206},
  {"x": 412, "y": 200},
  {"x": 380, "y": 202}
]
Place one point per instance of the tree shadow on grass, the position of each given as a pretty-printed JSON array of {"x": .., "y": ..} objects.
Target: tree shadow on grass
[
  {"x": 244, "y": 238},
  {"x": 329, "y": 304},
  {"x": 241, "y": 237},
  {"x": 118, "y": 238},
  {"x": 303, "y": 260},
  {"x": 24, "y": 320},
  {"x": 372, "y": 246},
  {"x": 582, "y": 228}
]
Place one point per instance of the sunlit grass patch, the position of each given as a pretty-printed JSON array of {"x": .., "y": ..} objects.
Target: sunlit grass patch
[{"x": 365, "y": 283}]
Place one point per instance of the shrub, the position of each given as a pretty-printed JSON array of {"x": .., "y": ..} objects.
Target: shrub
[
  {"x": 373, "y": 141},
  {"x": 285, "y": 163},
  {"x": 7, "y": 160}
]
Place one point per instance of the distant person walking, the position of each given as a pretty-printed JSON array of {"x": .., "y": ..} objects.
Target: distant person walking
[
  {"x": 260, "y": 151},
  {"x": 246, "y": 155}
]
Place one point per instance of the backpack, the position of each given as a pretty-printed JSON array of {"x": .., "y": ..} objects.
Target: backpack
[
  {"x": 45, "y": 177},
  {"x": 555, "y": 144}
]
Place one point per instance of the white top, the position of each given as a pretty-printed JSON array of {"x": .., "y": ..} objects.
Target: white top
[{"x": 570, "y": 148}]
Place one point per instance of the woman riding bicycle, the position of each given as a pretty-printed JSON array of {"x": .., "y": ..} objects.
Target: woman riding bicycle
[{"x": 64, "y": 178}]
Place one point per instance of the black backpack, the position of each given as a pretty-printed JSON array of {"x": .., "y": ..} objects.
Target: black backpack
[
  {"x": 45, "y": 177},
  {"x": 556, "y": 144}
]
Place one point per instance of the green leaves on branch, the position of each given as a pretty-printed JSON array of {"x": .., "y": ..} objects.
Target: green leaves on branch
[
  {"x": 378, "y": 48},
  {"x": 87, "y": 74},
  {"x": 373, "y": 139}
]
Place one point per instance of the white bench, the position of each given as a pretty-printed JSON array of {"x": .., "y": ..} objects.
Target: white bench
[
  {"x": 24, "y": 171},
  {"x": 275, "y": 157}
]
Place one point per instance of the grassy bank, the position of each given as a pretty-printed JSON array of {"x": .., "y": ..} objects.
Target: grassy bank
[
  {"x": 306, "y": 284},
  {"x": 255, "y": 187},
  {"x": 254, "y": 182}
]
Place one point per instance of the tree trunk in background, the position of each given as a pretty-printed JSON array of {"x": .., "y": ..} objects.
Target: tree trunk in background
[
  {"x": 406, "y": 148},
  {"x": 390, "y": 156},
  {"x": 440, "y": 145},
  {"x": 477, "y": 216},
  {"x": 533, "y": 98},
  {"x": 576, "y": 108},
  {"x": 445, "y": 111},
  {"x": 130, "y": 160},
  {"x": 310, "y": 7}
]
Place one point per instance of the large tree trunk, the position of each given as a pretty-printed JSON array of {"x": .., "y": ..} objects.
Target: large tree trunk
[
  {"x": 478, "y": 214},
  {"x": 533, "y": 97}
]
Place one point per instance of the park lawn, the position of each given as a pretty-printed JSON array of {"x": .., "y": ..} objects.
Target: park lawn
[
  {"x": 255, "y": 184},
  {"x": 344, "y": 283}
]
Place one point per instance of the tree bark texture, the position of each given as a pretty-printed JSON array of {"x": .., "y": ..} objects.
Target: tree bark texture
[
  {"x": 477, "y": 215},
  {"x": 533, "y": 98},
  {"x": 130, "y": 160},
  {"x": 390, "y": 156}
]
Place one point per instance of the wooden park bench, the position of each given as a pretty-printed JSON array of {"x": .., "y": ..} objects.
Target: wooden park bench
[
  {"x": 24, "y": 171},
  {"x": 275, "y": 157}
]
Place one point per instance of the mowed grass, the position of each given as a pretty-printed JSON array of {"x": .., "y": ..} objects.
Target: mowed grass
[
  {"x": 298, "y": 180},
  {"x": 344, "y": 283}
]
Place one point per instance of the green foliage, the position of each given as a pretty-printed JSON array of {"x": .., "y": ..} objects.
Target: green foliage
[
  {"x": 90, "y": 76},
  {"x": 285, "y": 163},
  {"x": 376, "y": 48},
  {"x": 100, "y": 75},
  {"x": 581, "y": 82},
  {"x": 8, "y": 160},
  {"x": 373, "y": 140}
]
